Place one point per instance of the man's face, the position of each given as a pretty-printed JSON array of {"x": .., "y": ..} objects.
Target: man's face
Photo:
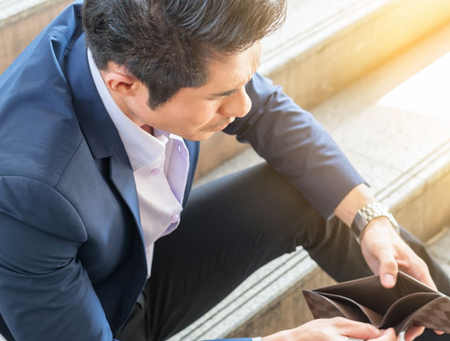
[{"x": 197, "y": 113}]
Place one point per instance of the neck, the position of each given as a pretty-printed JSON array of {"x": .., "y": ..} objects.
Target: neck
[{"x": 148, "y": 129}]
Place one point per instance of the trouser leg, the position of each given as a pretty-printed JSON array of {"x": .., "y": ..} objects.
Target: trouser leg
[{"x": 230, "y": 228}]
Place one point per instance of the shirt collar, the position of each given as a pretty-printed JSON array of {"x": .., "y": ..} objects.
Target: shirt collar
[{"x": 142, "y": 148}]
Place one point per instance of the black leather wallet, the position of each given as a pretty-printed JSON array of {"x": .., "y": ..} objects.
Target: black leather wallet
[{"x": 409, "y": 303}]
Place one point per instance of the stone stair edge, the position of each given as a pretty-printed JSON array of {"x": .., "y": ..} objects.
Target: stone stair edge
[
  {"x": 412, "y": 184},
  {"x": 13, "y": 11},
  {"x": 326, "y": 31}
]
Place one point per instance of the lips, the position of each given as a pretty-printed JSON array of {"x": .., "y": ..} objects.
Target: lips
[{"x": 224, "y": 125}]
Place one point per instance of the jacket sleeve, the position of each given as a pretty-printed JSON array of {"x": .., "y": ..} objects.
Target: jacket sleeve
[
  {"x": 45, "y": 293},
  {"x": 296, "y": 145}
]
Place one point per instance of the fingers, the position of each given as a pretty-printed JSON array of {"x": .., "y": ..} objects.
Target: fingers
[
  {"x": 357, "y": 330},
  {"x": 388, "y": 267},
  {"x": 380, "y": 246},
  {"x": 420, "y": 271},
  {"x": 389, "y": 335},
  {"x": 413, "y": 332},
  {"x": 385, "y": 253}
]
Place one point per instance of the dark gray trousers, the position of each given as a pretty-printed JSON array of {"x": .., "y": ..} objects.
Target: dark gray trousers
[{"x": 231, "y": 227}]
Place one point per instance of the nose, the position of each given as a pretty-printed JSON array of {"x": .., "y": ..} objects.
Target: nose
[{"x": 237, "y": 105}]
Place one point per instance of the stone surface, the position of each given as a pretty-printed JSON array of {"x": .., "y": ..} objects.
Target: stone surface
[
  {"x": 349, "y": 41},
  {"x": 439, "y": 248},
  {"x": 395, "y": 130},
  {"x": 21, "y": 22}
]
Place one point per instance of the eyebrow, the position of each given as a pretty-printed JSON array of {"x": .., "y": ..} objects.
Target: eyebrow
[
  {"x": 225, "y": 93},
  {"x": 230, "y": 92}
]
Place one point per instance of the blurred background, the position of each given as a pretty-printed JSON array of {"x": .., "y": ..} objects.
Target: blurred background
[{"x": 375, "y": 73}]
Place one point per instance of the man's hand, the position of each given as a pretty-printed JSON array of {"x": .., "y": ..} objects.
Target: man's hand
[
  {"x": 386, "y": 253},
  {"x": 335, "y": 329},
  {"x": 383, "y": 249}
]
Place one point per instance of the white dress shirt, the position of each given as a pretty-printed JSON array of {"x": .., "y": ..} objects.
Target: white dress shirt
[{"x": 160, "y": 166}]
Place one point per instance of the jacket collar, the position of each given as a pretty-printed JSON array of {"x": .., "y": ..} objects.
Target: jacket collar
[{"x": 96, "y": 124}]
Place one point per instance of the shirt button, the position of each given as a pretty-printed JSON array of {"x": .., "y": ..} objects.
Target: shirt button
[
  {"x": 175, "y": 218},
  {"x": 179, "y": 148},
  {"x": 155, "y": 171}
]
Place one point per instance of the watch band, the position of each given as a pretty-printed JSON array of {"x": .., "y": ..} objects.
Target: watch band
[{"x": 369, "y": 212}]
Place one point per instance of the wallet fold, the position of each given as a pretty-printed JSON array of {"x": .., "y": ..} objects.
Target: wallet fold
[{"x": 410, "y": 302}]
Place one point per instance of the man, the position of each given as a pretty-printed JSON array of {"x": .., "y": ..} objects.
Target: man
[{"x": 100, "y": 237}]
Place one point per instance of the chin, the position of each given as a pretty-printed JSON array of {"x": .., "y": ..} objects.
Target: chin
[
  {"x": 203, "y": 137},
  {"x": 197, "y": 137}
]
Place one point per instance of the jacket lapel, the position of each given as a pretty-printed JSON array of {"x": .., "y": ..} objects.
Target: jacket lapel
[
  {"x": 194, "y": 150},
  {"x": 121, "y": 174},
  {"x": 98, "y": 128}
]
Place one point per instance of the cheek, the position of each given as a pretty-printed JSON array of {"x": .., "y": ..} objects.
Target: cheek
[{"x": 204, "y": 114}]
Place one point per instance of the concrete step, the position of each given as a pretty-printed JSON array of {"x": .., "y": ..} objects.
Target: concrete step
[
  {"x": 394, "y": 124},
  {"x": 439, "y": 248},
  {"x": 21, "y": 21}
]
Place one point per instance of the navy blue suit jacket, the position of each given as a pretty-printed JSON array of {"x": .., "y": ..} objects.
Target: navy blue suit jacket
[{"x": 72, "y": 260}]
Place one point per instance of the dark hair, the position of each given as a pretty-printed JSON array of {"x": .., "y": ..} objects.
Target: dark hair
[{"x": 166, "y": 44}]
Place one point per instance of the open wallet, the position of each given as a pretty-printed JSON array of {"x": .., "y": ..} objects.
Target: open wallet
[{"x": 365, "y": 300}]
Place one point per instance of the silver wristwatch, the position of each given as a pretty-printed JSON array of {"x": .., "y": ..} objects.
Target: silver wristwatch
[{"x": 369, "y": 212}]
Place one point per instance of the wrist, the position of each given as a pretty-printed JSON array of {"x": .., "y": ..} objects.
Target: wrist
[
  {"x": 358, "y": 197},
  {"x": 280, "y": 336},
  {"x": 375, "y": 224}
]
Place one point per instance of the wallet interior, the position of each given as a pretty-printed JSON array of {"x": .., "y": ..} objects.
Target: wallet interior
[{"x": 366, "y": 300}]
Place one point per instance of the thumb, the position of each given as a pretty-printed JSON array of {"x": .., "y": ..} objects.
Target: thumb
[
  {"x": 388, "y": 267},
  {"x": 389, "y": 335}
]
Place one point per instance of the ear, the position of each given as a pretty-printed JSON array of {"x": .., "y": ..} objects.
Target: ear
[{"x": 119, "y": 81}]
